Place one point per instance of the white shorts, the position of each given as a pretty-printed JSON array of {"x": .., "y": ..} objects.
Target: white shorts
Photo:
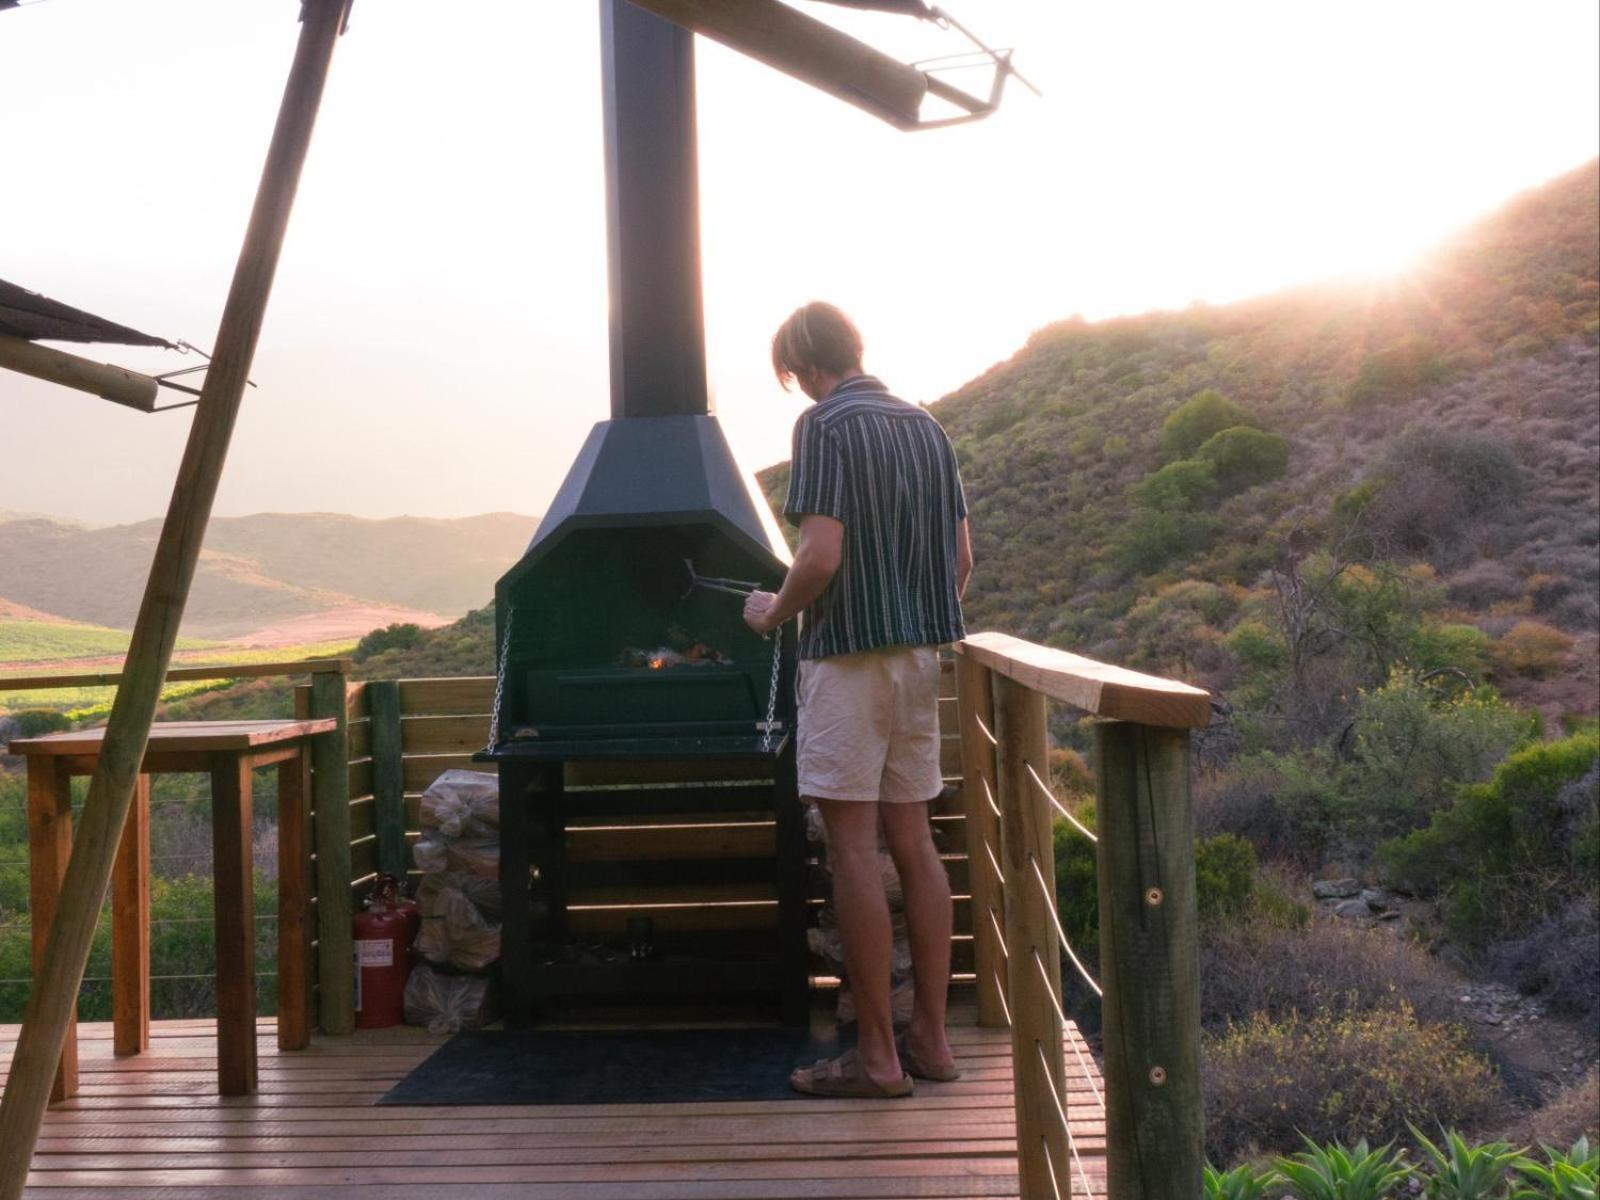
[{"x": 869, "y": 726}]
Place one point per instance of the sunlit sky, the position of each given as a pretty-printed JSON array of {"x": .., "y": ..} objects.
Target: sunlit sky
[{"x": 440, "y": 307}]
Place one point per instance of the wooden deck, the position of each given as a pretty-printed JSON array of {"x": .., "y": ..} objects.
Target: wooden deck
[{"x": 154, "y": 1126}]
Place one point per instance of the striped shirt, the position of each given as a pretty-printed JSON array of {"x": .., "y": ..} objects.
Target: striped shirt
[{"x": 885, "y": 469}]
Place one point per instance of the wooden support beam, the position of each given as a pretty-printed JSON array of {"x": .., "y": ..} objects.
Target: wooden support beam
[
  {"x": 330, "y": 789},
  {"x": 48, "y": 1016},
  {"x": 130, "y": 929},
  {"x": 807, "y": 49},
  {"x": 309, "y": 666},
  {"x": 1034, "y": 959},
  {"x": 109, "y": 382},
  {"x": 975, "y": 695},
  {"x": 1149, "y": 964},
  {"x": 388, "y": 776}
]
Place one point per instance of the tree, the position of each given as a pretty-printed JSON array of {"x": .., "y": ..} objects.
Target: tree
[
  {"x": 1198, "y": 419},
  {"x": 1241, "y": 457}
]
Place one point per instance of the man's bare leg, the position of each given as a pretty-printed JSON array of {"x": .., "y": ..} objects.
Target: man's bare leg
[
  {"x": 929, "y": 915},
  {"x": 863, "y": 911}
]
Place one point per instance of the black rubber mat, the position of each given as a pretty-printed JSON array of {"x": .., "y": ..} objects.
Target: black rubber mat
[{"x": 610, "y": 1067}]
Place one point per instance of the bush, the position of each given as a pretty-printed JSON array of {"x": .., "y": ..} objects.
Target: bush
[
  {"x": 1396, "y": 372},
  {"x": 1533, "y": 649},
  {"x": 1483, "y": 470},
  {"x": 1572, "y": 1113},
  {"x": 1176, "y": 487},
  {"x": 391, "y": 637},
  {"x": 1225, "y": 876},
  {"x": 1242, "y": 457},
  {"x": 1197, "y": 419},
  {"x": 1078, "y": 906},
  {"x": 1151, "y": 539},
  {"x": 1464, "y": 647},
  {"x": 1338, "y": 1076},
  {"x": 1284, "y": 963},
  {"x": 1509, "y": 852},
  {"x": 36, "y": 722},
  {"x": 1558, "y": 960}
]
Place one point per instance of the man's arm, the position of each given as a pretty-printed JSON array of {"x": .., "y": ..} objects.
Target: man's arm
[
  {"x": 963, "y": 557},
  {"x": 815, "y": 564}
]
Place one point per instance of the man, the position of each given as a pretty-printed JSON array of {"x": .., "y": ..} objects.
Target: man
[{"x": 883, "y": 559}]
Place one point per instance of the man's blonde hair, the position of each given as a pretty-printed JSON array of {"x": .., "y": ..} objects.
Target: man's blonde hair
[{"x": 816, "y": 337}]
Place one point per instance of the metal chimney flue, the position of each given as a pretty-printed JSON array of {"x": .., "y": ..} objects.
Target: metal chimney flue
[{"x": 658, "y": 343}]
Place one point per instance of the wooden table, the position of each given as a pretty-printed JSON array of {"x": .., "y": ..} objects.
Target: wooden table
[{"x": 228, "y": 751}]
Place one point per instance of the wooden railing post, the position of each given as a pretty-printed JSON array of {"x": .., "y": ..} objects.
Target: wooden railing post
[
  {"x": 975, "y": 703},
  {"x": 330, "y": 789},
  {"x": 1149, "y": 964},
  {"x": 1034, "y": 959},
  {"x": 388, "y": 776}
]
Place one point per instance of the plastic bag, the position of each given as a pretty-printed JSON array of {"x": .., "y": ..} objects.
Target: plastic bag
[
  {"x": 448, "y": 1003},
  {"x": 463, "y": 804},
  {"x": 428, "y": 851},
  {"x": 471, "y": 855},
  {"x": 456, "y": 929}
]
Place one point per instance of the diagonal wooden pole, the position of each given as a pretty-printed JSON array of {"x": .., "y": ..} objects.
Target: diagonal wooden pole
[{"x": 50, "y": 1001}]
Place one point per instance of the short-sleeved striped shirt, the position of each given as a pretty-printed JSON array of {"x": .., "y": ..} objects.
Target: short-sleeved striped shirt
[{"x": 887, "y": 470}]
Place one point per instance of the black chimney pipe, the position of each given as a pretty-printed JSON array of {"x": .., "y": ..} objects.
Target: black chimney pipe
[{"x": 658, "y": 339}]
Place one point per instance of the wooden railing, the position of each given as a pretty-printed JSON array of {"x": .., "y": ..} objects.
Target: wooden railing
[
  {"x": 1148, "y": 970},
  {"x": 327, "y": 695}
]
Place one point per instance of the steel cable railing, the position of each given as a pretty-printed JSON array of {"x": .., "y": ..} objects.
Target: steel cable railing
[
  {"x": 1060, "y": 808},
  {"x": 1055, "y": 918},
  {"x": 1066, "y": 1126}
]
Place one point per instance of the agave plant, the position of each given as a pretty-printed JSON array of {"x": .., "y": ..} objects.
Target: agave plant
[
  {"x": 1344, "y": 1172},
  {"x": 1573, "y": 1175},
  {"x": 1463, "y": 1172},
  {"x": 1241, "y": 1183}
]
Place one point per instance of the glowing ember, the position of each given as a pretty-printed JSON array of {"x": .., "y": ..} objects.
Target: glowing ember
[{"x": 657, "y": 663}]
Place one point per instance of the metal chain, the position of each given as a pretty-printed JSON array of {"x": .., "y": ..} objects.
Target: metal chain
[
  {"x": 772, "y": 691},
  {"x": 500, "y": 680}
]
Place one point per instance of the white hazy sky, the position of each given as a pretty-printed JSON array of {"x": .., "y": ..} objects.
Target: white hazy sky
[{"x": 440, "y": 307}]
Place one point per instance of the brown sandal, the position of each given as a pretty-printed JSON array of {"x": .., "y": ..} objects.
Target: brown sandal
[
  {"x": 843, "y": 1077},
  {"x": 918, "y": 1069}
]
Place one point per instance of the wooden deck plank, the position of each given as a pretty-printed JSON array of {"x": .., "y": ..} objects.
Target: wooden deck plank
[{"x": 153, "y": 1127}]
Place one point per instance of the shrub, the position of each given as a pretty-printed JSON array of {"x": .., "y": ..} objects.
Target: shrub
[
  {"x": 1532, "y": 648},
  {"x": 1176, "y": 487},
  {"x": 1483, "y": 470},
  {"x": 1278, "y": 963},
  {"x": 1463, "y": 647},
  {"x": 1412, "y": 747},
  {"x": 1510, "y": 851},
  {"x": 1558, "y": 960},
  {"x": 1078, "y": 906},
  {"x": 1151, "y": 539},
  {"x": 36, "y": 722},
  {"x": 1331, "y": 1075},
  {"x": 1256, "y": 647},
  {"x": 1225, "y": 875},
  {"x": 391, "y": 637},
  {"x": 1573, "y": 1112},
  {"x": 1197, "y": 419},
  {"x": 1396, "y": 372},
  {"x": 1242, "y": 457}
]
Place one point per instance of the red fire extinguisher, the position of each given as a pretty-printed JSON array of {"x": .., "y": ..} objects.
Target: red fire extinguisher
[{"x": 382, "y": 956}]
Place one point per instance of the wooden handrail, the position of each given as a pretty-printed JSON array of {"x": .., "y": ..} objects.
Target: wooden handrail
[
  {"x": 1147, "y": 909},
  {"x": 1097, "y": 688},
  {"x": 307, "y": 666}
]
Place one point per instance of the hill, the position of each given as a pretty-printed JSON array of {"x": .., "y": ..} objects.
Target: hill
[
  {"x": 1395, "y": 402},
  {"x": 273, "y": 578}
]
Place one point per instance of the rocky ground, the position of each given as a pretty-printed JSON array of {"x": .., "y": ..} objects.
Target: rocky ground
[{"x": 1538, "y": 1053}]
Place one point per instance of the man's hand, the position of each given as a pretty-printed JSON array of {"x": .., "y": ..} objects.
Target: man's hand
[{"x": 758, "y": 610}]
